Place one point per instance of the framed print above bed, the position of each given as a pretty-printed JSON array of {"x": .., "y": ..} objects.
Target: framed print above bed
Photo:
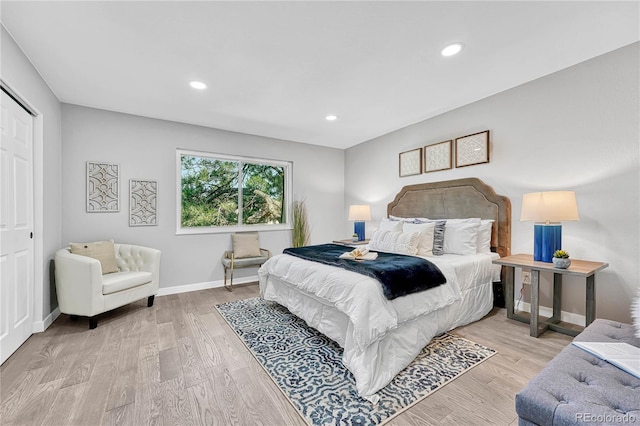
[
  {"x": 437, "y": 156},
  {"x": 410, "y": 162},
  {"x": 472, "y": 149}
]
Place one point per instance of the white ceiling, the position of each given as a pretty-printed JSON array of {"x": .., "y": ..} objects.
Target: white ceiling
[{"x": 278, "y": 68}]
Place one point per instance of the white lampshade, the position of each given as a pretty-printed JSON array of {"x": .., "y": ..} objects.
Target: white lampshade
[
  {"x": 550, "y": 206},
  {"x": 360, "y": 212}
]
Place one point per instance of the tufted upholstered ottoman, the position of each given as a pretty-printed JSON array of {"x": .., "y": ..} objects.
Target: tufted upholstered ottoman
[{"x": 579, "y": 388}]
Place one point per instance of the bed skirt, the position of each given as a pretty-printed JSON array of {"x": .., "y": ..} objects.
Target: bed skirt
[{"x": 377, "y": 364}]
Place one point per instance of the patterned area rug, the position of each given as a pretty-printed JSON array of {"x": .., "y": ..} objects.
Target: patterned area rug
[{"x": 307, "y": 366}]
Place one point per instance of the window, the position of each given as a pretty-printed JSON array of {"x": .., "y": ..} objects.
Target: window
[{"x": 220, "y": 193}]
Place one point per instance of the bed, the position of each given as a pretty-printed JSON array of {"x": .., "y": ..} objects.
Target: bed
[{"x": 381, "y": 337}]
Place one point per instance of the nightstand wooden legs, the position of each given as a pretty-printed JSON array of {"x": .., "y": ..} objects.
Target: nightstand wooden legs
[
  {"x": 534, "y": 330},
  {"x": 508, "y": 290},
  {"x": 581, "y": 268},
  {"x": 591, "y": 300},
  {"x": 557, "y": 298},
  {"x": 536, "y": 326}
]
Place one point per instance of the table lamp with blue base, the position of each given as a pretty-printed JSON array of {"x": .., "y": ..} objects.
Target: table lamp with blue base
[
  {"x": 547, "y": 238},
  {"x": 548, "y": 209},
  {"x": 359, "y": 213}
]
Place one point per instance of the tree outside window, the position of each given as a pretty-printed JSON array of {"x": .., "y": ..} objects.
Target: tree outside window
[{"x": 212, "y": 196}]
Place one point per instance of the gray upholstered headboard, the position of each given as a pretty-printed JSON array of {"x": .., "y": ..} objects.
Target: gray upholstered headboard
[{"x": 460, "y": 198}]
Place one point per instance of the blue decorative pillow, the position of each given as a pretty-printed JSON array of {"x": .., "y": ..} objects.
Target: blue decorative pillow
[{"x": 635, "y": 313}]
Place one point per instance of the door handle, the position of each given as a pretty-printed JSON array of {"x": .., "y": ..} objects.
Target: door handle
[{"x": 31, "y": 235}]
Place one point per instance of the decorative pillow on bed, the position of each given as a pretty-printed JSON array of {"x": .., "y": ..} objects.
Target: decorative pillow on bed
[
  {"x": 438, "y": 235},
  {"x": 395, "y": 242},
  {"x": 104, "y": 251},
  {"x": 635, "y": 313},
  {"x": 425, "y": 246},
  {"x": 461, "y": 236},
  {"x": 390, "y": 225},
  {"x": 408, "y": 219},
  {"x": 484, "y": 236}
]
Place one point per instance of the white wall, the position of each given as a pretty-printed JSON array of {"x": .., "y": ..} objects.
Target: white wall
[
  {"x": 146, "y": 149},
  {"x": 21, "y": 76},
  {"x": 577, "y": 129}
]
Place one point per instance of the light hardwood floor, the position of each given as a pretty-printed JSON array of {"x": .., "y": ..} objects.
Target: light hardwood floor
[{"x": 179, "y": 363}]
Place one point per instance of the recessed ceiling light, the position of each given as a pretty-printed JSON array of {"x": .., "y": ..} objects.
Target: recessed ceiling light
[
  {"x": 331, "y": 117},
  {"x": 452, "y": 49},
  {"x": 198, "y": 85}
]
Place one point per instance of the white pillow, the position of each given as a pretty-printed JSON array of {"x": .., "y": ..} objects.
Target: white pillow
[
  {"x": 390, "y": 225},
  {"x": 461, "y": 236},
  {"x": 484, "y": 236},
  {"x": 395, "y": 242},
  {"x": 425, "y": 246}
]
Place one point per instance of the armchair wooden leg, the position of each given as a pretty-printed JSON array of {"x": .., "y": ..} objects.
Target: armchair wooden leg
[
  {"x": 93, "y": 323},
  {"x": 150, "y": 301}
]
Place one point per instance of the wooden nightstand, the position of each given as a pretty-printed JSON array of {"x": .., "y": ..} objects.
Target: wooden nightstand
[
  {"x": 581, "y": 268},
  {"x": 351, "y": 243}
]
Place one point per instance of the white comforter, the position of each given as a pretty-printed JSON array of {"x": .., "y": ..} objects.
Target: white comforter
[{"x": 351, "y": 309}]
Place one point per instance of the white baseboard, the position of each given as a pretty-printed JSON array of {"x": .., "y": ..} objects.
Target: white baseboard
[
  {"x": 165, "y": 291},
  {"x": 569, "y": 317},
  {"x": 40, "y": 326}
]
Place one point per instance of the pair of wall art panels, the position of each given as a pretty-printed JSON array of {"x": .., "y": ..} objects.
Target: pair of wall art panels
[{"x": 103, "y": 194}]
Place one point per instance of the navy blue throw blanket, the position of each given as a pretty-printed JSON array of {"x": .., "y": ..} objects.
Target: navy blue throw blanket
[{"x": 399, "y": 274}]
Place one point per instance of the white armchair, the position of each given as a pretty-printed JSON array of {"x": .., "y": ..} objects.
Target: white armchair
[{"x": 84, "y": 291}]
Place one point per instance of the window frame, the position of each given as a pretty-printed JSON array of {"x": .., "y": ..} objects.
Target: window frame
[{"x": 288, "y": 193}]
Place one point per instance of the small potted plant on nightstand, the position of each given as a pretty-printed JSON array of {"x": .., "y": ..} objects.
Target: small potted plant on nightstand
[{"x": 561, "y": 259}]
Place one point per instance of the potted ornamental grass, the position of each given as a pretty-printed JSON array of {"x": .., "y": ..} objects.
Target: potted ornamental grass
[
  {"x": 561, "y": 259},
  {"x": 301, "y": 232}
]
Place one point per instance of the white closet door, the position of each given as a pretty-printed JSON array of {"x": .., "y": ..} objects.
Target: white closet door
[{"x": 16, "y": 226}]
